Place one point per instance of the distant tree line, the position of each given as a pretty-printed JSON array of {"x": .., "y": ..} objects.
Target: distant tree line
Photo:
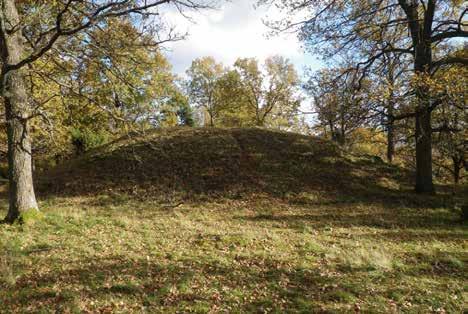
[
  {"x": 395, "y": 66},
  {"x": 246, "y": 94}
]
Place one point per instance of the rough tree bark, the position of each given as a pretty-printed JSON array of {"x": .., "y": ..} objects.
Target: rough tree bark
[
  {"x": 423, "y": 125},
  {"x": 424, "y": 153},
  {"x": 421, "y": 30},
  {"x": 17, "y": 111},
  {"x": 390, "y": 124},
  {"x": 390, "y": 141}
]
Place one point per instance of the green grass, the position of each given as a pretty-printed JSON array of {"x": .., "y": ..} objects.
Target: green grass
[
  {"x": 256, "y": 254},
  {"x": 265, "y": 222}
]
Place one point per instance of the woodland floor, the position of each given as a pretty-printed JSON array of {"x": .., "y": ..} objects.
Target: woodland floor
[{"x": 116, "y": 254}]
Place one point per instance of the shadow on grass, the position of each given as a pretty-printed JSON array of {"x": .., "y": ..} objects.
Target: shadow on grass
[
  {"x": 405, "y": 212},
  {"x": 246, "y": 284},
  {"x": 387, "y": 221}
]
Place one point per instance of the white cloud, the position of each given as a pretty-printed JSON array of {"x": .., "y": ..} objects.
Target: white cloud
[{"x": 234, "y": 30}]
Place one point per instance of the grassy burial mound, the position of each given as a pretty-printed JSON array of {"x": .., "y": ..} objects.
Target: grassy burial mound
[
  {"x": 265, "y": 222},
  {"x": 226, "y": 162}
]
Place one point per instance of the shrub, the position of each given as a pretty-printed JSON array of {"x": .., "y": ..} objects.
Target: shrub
[{"x": 84, "y": 139}]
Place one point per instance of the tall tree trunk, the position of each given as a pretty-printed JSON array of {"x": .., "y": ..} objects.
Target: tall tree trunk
[
  {"x": 17, "y": 111},
  {"x": 390, "y": 131},
  {"x": 423, "y": 127},
  {"x": 423, "y": 132},
  {"x": 457, "y": 166},
  {"x": 390, "y": 141},
  {"x": 341, "y": 133},
  {"x": 332, "y": 130},
  {"x": 420, "y": 27},
  {"x": 391, "y": 78},
  {"x": 211, "y": 120},
  {"x": 342, "y": 137},
  {"x": 424, "y": 153}
]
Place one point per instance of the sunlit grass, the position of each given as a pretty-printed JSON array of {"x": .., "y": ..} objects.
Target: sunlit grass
[{"x": 110, "y": 253}]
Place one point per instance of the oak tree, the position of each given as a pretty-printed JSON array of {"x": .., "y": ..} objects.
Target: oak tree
[
  {"x": 29, "y": 30},
  {"x": 333, "y": 26}
]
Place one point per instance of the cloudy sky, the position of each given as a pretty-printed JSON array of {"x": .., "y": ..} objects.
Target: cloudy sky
[{"x": 234, "y": 30}]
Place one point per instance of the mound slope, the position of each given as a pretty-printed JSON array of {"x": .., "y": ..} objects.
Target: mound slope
[{"x": 189, "y": 162}]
